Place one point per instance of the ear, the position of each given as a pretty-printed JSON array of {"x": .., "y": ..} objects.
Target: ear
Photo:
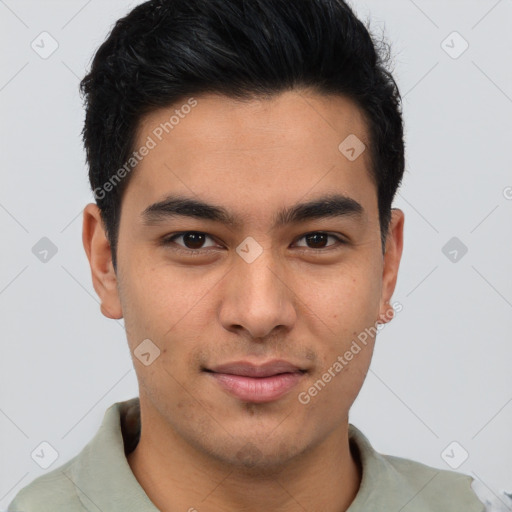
[
  {"x": 97, "y": 248},
  {"x": 392, "y": 256}
]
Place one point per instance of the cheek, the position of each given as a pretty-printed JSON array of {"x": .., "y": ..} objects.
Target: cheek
[
  {"x": 347, "y": 301},
  {"x": 345, "y": 311},
  {"x": 158, "y": 301},
  {"x": 171, "y": 312},
  {"x": 332, "y": 388}
]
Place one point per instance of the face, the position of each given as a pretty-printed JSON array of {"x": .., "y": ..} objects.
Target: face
[{"x": 253, "y": 293}]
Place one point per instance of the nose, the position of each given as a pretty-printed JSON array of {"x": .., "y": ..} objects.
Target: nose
[{"x": 258, "y": 298}]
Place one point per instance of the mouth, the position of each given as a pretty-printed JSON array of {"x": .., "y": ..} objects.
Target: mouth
[{"x": 257, "y": 383}]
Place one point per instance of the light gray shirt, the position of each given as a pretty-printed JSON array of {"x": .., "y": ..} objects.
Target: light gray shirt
[{"x": 99, "y": 478}]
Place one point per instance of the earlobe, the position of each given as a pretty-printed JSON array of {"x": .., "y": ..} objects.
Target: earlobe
[
  {"x": 97, "y": 248},
  {"x": 387, "y": 313}
]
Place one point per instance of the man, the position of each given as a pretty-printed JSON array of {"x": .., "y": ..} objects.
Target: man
[{"x": 244, "y": 157}]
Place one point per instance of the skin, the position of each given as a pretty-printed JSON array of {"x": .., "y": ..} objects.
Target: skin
[{"x": 201, "y": 447}]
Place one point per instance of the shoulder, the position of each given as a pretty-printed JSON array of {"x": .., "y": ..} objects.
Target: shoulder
[
  {"x": 396, "y": 483},
  {"x": 51, "y": 492},
  {"x": 441, "y": 489},
  {"x": 451, "y": 481},
  {"x": 98, "y": 471}
]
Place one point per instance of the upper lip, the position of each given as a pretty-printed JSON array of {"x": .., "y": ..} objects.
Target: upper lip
[{"x": 248, "y": 369}]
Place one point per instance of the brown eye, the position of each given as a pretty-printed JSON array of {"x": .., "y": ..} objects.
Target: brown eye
[
  {"x": 192, "y": 240},
  {"x": 318, "y": 240}
]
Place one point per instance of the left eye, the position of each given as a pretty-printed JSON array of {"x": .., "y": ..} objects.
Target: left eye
[{"x": 319, "y": 240}]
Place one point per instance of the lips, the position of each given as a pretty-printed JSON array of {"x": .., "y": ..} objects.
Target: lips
[
  {"x": 247, "y": 369},
  {"x": 257, "y": 383}
]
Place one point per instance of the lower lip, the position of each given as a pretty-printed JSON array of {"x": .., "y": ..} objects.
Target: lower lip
[{"x": 258, "y": 389}]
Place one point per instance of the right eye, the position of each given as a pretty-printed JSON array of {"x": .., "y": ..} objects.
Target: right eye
[{"x": 192, "y": 241}]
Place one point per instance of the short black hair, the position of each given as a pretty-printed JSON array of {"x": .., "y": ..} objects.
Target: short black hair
[{"x": 166, "y": 50}]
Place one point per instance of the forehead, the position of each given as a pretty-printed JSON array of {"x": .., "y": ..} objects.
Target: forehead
[{"x": 254, "y": 153}]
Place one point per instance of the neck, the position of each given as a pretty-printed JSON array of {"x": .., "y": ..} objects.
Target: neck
[{"x": 178, "y": 476}]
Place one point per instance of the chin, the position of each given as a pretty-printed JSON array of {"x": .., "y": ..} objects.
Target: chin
[{"x": 257, "y": 457}]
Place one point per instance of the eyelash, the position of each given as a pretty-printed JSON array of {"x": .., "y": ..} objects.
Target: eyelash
[{"x": 169, "y": 240}]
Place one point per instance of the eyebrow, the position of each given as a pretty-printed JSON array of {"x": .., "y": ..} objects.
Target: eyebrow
[{"x": 330, "y": 206}]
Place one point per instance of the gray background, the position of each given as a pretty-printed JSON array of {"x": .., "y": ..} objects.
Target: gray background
[{"x": 442, "y": 368}]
